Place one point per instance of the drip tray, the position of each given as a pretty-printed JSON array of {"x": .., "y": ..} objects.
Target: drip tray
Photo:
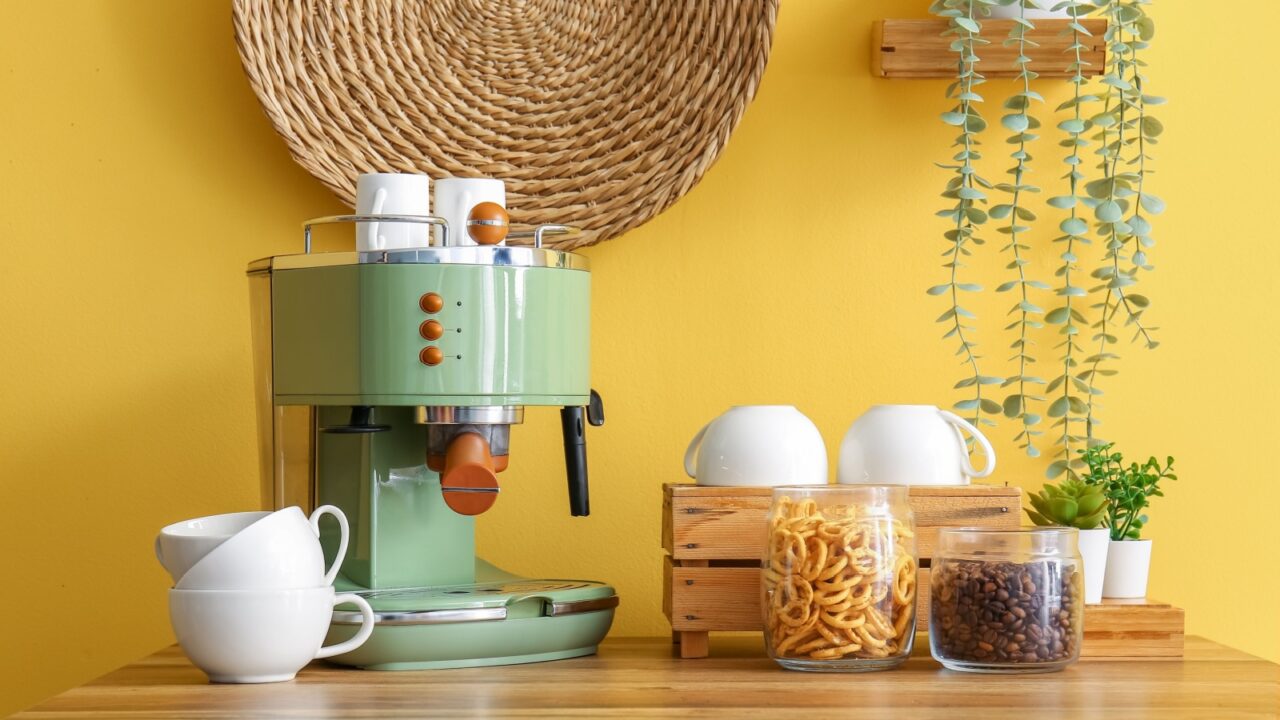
[
  {"x": 495, "y": 623},
  {"x": 482, "y": 602}
]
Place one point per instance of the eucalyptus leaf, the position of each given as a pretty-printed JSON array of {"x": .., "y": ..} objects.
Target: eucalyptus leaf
[{"x": 1109, "y": 212}]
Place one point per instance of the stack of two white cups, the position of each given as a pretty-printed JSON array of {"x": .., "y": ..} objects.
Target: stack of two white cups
[{"x": 252, "y": 600}]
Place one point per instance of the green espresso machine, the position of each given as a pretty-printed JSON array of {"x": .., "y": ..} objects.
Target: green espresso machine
[{"x": 387, "y": 383}]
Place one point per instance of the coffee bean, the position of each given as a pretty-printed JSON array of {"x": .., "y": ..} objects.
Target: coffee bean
[{"x": 1004, "y": 612}]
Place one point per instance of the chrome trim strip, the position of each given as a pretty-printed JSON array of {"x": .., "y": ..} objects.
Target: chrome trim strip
[
  {"x": 442, "y": 617},
  {"x": 423, "y": 617},
  {"x": 581, "y": 606},
  {"x": 497, "y": 255},
  {"x": 469, "y": 415}
]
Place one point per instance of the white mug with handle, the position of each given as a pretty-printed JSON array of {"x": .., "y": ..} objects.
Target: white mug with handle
[
  {"x": 278, "y": 552},
  {"x": 456, "y": 196},
  {"x": 392, "y": 194},
  {"x": 260, "y": 636},
  {"x": 911, "y": 445}
]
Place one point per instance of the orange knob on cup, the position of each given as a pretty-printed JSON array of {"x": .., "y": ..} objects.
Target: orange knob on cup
[{"x": 488, "y": 223}]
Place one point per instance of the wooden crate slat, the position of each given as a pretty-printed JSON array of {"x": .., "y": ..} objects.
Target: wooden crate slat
[
  {"x": 715, "y": 599},
  {"x": 918, "y": 49},
  {"x": 717, "y": 523}
]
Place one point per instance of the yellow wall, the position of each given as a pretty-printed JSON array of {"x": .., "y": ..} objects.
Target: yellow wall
[{"x": 139, "y": 176}]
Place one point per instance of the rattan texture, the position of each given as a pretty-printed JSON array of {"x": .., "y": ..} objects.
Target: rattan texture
[{"x": 596, "y": 113}]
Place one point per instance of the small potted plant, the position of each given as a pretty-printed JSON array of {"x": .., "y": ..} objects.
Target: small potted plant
[
  {"x": 1076, "y": 504},
  {"x": 1128, "y": 489}
]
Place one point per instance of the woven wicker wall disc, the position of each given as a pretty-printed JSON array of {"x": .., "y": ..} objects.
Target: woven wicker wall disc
[{"x": 598, "y": 113}]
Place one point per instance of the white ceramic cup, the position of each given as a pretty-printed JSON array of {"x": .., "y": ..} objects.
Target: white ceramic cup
[
  {"x": 260, "y": 636},
  {"x": 392, "y": 194},
  {"x": 279, "y": 552},
  {"x": 456, "y": 196},
  {"x": 182, "y": 544},
  {"x": 758, "y": 445},
  {"x": 910, "y": 445}
]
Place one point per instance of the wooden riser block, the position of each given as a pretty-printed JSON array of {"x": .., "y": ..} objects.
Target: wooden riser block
[{"x": 918, "y": 49}]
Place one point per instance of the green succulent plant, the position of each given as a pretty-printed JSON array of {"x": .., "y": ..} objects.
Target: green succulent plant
[
  {"x": 1071, "y": 504},
  {"x": 1128, "y": 488}
]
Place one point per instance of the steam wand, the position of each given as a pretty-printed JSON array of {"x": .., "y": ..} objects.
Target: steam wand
[{"x": 575, "y": 450}]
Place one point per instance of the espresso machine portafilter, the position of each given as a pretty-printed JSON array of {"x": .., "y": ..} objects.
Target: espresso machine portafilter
[{"x": 387, "y": 383}]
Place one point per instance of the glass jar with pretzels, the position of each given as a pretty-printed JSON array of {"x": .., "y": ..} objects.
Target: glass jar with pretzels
[{"x": 839, "y": 576}]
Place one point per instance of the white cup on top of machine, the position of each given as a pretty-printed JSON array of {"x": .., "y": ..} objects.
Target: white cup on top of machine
[
  {"x": 392, "y": 194},
  {"x": 454, "y": 198}
]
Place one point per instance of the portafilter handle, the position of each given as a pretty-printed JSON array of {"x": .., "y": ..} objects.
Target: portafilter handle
[{"x": 575, "y": 450}]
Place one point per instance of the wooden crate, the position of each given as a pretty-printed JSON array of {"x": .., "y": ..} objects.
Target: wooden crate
[{"x": 714, "y": 538}]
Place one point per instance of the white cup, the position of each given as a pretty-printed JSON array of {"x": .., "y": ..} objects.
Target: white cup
[
  {"x": 279, "y": 552},
  {"x": 910, "y": 445},
  {"x": 392, "y": 194},
  {"x": 758, "y": 445},
  {"x": 456, "y": 196},
  {"x": 260, "y": 636},
  {"x": 182, "y": 544}
]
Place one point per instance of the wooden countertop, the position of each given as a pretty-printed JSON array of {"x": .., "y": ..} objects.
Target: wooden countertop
[{"x": 641, "y": 678}]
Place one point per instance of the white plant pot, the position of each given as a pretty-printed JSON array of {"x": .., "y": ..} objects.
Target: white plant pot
[
  {"x": 1045, "y": 11},
  {"x": 1093, "y": 549},
  {"x": 1127, "y": 564}
]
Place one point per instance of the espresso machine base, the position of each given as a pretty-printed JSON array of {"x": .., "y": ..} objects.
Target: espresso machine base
[{"x": 500, "y": 620}]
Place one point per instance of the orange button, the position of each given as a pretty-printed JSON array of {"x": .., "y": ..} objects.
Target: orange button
[
  {"x": 431, "y": 303},
  {"x": 431, "y": 355},
  {"x": 431, "y": 330}
]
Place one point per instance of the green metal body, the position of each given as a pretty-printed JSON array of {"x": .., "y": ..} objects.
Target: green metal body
[{"x": 348, "y": 334}]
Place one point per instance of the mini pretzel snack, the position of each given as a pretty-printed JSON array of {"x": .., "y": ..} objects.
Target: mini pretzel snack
[{"x": 840, "y": 578}]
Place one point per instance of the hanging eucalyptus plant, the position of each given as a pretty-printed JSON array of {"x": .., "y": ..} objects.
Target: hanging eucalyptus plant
[
  {"x": 966, "y": 191},
  {"x": 1115, "y": 198}
]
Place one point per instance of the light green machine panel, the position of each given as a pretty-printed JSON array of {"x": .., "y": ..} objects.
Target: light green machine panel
[{"x": 349, "y": 335}]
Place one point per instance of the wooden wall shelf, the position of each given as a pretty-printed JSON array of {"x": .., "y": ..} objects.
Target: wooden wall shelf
[{"x": 918, "y": 49}]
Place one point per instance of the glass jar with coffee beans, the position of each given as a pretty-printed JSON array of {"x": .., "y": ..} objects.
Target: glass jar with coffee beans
[{"x": 1006, "y": 601}]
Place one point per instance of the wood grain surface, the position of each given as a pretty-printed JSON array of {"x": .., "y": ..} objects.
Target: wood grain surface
[
  {"x": 637, "y": 678},
  {"x": 918, "y": 48}
]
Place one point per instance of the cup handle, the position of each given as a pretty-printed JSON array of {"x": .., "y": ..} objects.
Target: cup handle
[
  {"x": 342, "y": 543},
  {"x": 366, "y": 627},
  {"x": 692, "y": 453},
  {"x": 159, "y": 555},
  {"x": 379, "y": 201},
  {"x": 966, "y": 466}
]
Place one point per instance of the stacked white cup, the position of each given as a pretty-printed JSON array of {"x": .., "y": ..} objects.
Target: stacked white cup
[{"x": 252, "y": 600}]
